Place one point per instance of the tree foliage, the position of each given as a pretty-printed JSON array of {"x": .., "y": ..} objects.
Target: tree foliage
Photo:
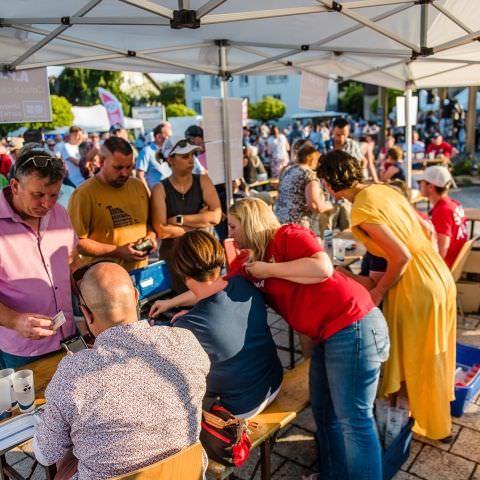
[
  {"x": 179, "y": 110},
  {"x": 351, "y": 98},
  {"x": 79, "y": 86},
  {"x": 62, "y": 116},
  {"x": 269, "y": 108},
  {"x": 392, "y": 94},
  {"x": 171, "y": 92}
]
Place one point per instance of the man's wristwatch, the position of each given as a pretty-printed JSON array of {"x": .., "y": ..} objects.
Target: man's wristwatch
[{"x": 179, "y": 219}]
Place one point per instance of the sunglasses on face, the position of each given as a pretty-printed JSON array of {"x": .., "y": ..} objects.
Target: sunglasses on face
[{"x": 182, "y": 144}]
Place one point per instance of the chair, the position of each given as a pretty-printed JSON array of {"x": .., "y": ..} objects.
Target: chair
[
  {"x": 184, "y": 465},
  {"x": 457, "y": 269}
]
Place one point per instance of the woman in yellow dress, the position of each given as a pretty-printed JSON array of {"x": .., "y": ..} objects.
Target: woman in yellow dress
[{"x": 417, "y": 290}]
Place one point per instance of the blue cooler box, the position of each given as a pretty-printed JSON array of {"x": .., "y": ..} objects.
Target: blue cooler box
[
  {"x": 397, "y": 453},
  {"x": 151, "y": 281},
  {"x": 467, "y": 355}
]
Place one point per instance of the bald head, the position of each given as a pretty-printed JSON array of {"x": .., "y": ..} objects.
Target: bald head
[{"x": 109, "y": 293}]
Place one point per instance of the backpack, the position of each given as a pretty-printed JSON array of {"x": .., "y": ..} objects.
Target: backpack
[{"x": 225, "y": 438}]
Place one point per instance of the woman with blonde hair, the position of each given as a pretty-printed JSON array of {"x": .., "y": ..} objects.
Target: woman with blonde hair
[
  {"x": 289, "y": 266},
  {"x": 417, "y": 290}
]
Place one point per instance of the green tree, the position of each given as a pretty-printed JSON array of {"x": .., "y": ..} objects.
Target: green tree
[
  {"x": 179, "y": 110},
  {"x": 392, "y": 94},
  {"x": 171, "y": 92},
  {"x": 269, "y": 108},
  {"x": 62, "y": 116},
  {"x": 79, "y": 86},
  {"x": 351, "y": 97}
]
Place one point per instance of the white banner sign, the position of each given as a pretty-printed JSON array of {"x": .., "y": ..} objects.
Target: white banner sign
[
  {"x": 25, "y": 96},
  {"x": 400, "y": 103},
  {"x": 214, "y": 137},
  {"x": 313, "y": 92}
]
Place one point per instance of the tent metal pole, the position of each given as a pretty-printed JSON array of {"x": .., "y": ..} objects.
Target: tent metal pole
[
  {"x": 252, "y": 66},
  {"x": 471, "y": 120},
  {"x": 151, "y": 7},
  {"x": 225, "y": 123},
  {"x": 408, "y": 133},
  {"x": 458, "y": 42},
  {"x": 423, "y": 25}
]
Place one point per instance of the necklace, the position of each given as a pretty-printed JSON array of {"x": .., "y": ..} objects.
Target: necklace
[{"x": 182, "y": 189}]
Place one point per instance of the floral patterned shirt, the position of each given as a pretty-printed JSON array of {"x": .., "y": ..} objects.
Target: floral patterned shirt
[
  {"x": 291, "y": 205},
  {"x": 131, "y": 400}
]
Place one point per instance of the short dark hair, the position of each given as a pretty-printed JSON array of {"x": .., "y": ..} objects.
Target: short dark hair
[
  {"x": 158, "y": 129},
  {"x": 51, "y": 167},
  {"x": 395, "y": 153},
  {"x": 74, "y": 129},
  {"x": 117, "y": 144},
  {"x": 198, "y": 255},
  {"x": 340, "y": 170},
  {"x": 305, "y": 153},
  {"x": 194, "y": 131},
  {"x": 340, "y": 123},
  {"x": 32, "y": 135}
]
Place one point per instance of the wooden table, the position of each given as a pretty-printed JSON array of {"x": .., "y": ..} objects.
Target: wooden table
[
  {"x": 473, "y": 215},
  {"x": 43, "y": 371}
]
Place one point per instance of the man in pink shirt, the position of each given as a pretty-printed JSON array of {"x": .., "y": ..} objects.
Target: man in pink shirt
[
  {"x": 37, "y": 242},
  {"x": 447, "y": 215}
]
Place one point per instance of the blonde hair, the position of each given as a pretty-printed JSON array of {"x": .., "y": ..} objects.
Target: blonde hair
[{"x": 258, "y": 223}]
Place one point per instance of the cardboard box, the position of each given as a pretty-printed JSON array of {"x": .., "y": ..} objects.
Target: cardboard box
[{"x": 468, "y": 293}]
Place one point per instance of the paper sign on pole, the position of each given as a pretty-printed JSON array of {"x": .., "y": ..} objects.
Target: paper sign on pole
[
  {"x": 112, "y": 106},
  {"x": 313, "y": 92},
  {"x": 214, "y": 137},
  {"x": 400, "y": 103},
  {"x": 25, "y": 96}
]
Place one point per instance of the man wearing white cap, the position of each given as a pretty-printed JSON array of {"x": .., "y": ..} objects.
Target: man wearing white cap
[{"x": 448, "y": 216}]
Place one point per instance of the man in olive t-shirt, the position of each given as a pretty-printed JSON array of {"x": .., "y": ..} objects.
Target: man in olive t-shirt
[{"x": 110, "y": 211}]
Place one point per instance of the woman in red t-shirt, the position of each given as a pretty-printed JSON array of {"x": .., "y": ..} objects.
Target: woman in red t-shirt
[{"x": 289, "y": 266}]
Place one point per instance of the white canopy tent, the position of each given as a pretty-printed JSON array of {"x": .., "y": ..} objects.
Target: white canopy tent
[
  {"x": 95, "y": 119},
  {"x": 392, "y": 43}
]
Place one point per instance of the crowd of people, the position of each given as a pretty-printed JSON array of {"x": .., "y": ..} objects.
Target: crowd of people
[{"x": 78, "y": 214}]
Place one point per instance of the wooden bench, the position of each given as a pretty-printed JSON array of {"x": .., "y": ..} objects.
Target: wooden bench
[
  {"x": 292, "y": 399},
  {"x": 184, "y": 465}
]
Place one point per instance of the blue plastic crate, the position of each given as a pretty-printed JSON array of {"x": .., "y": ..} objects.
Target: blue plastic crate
[
  {"x": 466, "y": 355},
  {"x": 152, "y": 280},
  {"x": 397, "y": 453}
]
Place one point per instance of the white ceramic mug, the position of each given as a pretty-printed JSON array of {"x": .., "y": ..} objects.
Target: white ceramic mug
[
  {"x": 8, "y": 373},
  {"x": 24, "y": 390}
]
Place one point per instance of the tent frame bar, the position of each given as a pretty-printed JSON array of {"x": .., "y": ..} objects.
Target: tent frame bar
[
  {"x": 151, "y": 7},
  {"x": 208, "y": 7},
  {"x": 451, "y": 17},
  {"x": 266, "y": 61},
  {"x": 76, "y": 20},
  {"x": 52, "y": 35}
]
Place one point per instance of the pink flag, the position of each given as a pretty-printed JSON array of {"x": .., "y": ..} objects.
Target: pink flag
[{"x": 112, "y": 106}]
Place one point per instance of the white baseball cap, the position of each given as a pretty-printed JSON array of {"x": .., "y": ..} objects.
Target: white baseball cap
[
  {"x": 182, "y": 147},
  {"x": 436, "y": 175}
]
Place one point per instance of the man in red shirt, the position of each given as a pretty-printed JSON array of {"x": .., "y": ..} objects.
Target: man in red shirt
[
  {"x": 438, "y": 147},
  {"x": 447, "y": 214}
]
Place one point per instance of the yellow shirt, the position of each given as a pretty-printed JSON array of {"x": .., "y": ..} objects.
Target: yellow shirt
[{"x": 106, "y": 214}]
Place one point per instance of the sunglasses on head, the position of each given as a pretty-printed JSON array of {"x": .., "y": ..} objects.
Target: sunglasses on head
[
  {"x": 40, "y": 161},
  {"x": 182, "y": 144}
]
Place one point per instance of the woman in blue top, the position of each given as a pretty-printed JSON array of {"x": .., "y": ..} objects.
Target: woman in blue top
[{"x": 229, "y": 320}]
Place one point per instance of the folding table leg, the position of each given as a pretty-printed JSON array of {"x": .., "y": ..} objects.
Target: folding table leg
[{"x": 266, "y": 449}]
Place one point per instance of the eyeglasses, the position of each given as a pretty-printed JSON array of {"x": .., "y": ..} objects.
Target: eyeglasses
[{"x": 76, "y": 278}]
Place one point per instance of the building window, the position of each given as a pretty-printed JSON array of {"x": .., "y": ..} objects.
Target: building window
[
  {"x": 274, "y": 79},
  {"x": 244, "y": 80},
  {"x": 194, "y": 82},
  {"x": 214, "y": 82},
  {"x": 197, "y": 106}
]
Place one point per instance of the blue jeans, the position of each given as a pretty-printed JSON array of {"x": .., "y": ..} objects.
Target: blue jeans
[
  {"x": 344, "y": 375},
  {"x": 7, "y": 360}
]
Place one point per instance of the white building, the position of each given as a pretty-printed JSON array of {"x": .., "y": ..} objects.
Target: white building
[{"x": 253, "y": 87}]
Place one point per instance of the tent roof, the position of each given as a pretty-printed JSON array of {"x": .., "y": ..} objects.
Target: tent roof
[
  {"x": 385, "y": 42},
  {"x": 95, "y": 119}
]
